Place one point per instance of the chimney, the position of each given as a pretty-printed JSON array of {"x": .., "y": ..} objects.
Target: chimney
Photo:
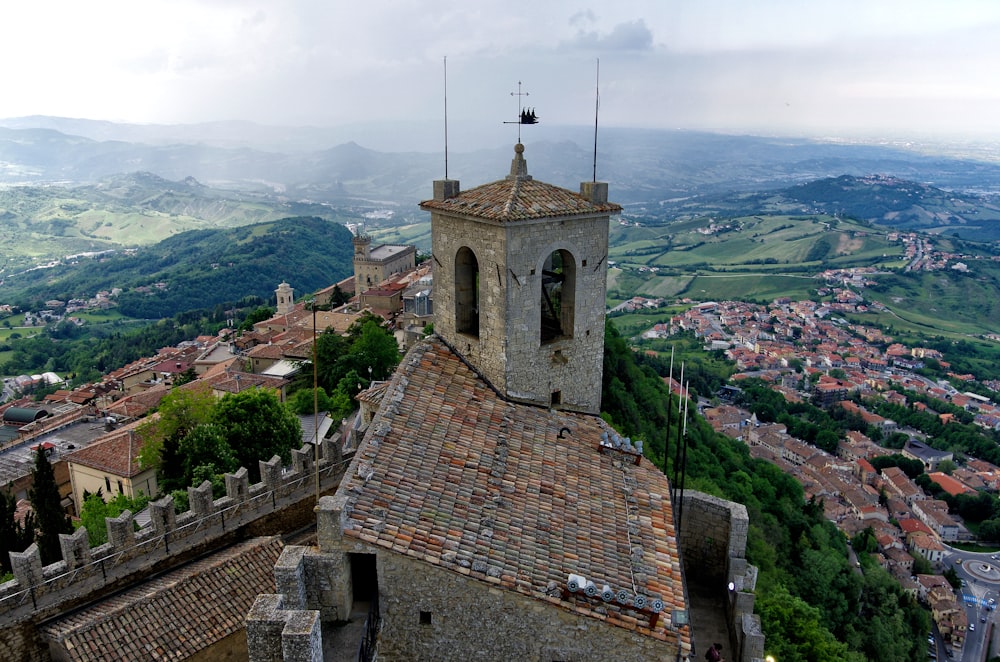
[
  {"x": 595, "y": 192},
  {"x": 446, "y": 188}
]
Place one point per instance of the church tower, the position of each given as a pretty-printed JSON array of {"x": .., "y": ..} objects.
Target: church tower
[
  {"x": 285, "y": 297},
  {"x": 519, "y": 284}
]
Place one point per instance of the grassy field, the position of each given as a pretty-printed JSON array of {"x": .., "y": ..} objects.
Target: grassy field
[
  {"x": 760, "y": 287},
  {"x": 946, "y": 301},
  {"x": 417, "y": 234},
  {"x": 101, "y": 316},
  {"x": 630, "y": 324},
  {"x": 749, "y": 243}
]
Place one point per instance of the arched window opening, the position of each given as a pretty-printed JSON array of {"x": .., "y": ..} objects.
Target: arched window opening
[
  {"x": 466, "y": 292},
  {"x": 558, "y": 299}
]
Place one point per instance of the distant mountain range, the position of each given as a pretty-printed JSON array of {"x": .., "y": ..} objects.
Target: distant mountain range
[
  {"x": 880, "y": 199},
  {"x": 308, "y": 164}
]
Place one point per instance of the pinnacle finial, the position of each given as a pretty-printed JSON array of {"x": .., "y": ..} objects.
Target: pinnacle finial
[{"x": 518, "y": 166}]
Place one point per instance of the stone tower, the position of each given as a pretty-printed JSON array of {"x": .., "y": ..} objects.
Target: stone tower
[
  {"x": 519, "y": 284},
  {"x": 285, "y": 297}
]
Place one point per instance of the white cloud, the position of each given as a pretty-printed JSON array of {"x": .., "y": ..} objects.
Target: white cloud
[
  {"x": 780, "y": 65},
  {"x": 630, "y": 36}
]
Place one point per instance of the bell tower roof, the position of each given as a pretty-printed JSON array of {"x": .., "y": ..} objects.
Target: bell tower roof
[{"x": 518, "y": 197}]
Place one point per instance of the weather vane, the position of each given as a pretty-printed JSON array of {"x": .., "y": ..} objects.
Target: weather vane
[{"x": 525, "y": 116}]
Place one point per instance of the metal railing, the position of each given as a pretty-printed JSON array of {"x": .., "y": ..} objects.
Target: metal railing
[{"x": 368, "y": 650}]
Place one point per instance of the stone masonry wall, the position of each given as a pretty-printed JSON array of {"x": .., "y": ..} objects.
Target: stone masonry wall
[
  {"x": 434, "y": 614},
  {"x": 508, "y": 350},
  {"x": 38, "y": 593},
  {"x": 714, "y": 536},
  {"x": 437, "y": 615}
]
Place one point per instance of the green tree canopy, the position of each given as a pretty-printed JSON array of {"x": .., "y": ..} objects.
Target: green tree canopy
[
  {"x": 205, "y": 450},
  {"x": 180, "y": 412},
  {"x": 95, "y": 510},
  {"x": 375, "y": 351},
  {"x": 257, "y": 426}
]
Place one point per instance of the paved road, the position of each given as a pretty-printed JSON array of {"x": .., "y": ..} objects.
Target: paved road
[{"x": 981, "y": 575}]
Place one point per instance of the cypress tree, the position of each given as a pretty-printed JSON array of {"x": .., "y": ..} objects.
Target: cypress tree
[
  {"x": 14, "y": 536},
  {"x": 44, "y": 497}
]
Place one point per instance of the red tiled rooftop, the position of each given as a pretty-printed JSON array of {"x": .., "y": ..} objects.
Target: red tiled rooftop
[
  {"x": 949, "y": 484},
  {"x": 519, "y": 199},
  {"x": 453, "y": 475},
  {"x": 174, "y": 616},
  {"x": 117, "y": 453}
]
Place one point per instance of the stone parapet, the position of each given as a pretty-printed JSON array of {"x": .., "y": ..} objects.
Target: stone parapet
[
  {"x": 39, "y": 591},
  {"x": 714, "y": 535}
]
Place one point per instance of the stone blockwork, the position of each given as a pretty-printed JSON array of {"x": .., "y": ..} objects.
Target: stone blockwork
[
  {"x": 428, "y": 612},
  {"x": 713, "y": 544},
  {"x": 512, "y": 227},
  {"x": 39, "y": 592}
]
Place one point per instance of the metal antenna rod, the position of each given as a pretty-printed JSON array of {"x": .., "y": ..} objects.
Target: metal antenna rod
[
  {"x": 670, "y": 393},
  {"x": 597, "y": 106},
  {"x": 684, "y": 453},
  {"x": 680, "y": 422},
  {"x": 446, "y": 117}
]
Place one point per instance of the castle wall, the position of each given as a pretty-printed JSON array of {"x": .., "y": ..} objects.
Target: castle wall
[
  {"x": 284, "y": 499},
  {"x": 470, "y": 620},
  {"x": 713, "y": 537},
  {"x": 432, "y": 614}
]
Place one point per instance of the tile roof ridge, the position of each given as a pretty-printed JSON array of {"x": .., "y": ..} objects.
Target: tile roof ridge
[{"x": 515, "y": 193}]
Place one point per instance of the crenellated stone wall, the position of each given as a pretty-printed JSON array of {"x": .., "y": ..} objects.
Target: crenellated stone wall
[
  {"x": 40, "y": 592},
  {"x": 714, "y": 535}
]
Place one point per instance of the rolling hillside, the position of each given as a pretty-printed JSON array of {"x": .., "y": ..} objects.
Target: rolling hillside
[
  {"x": 883, "y": 200},
  {"x": 199, "y": 268},
  {"x": 42, "y": 223}
]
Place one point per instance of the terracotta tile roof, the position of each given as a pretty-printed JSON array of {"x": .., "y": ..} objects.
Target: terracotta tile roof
[
  {"x": 117, "y": 453},
  {"x": 519, "y": 198},
  {"x": 236, "y": 381},
  {"x": 173, "y": 616},
  {"x": 139, "y": 404},
  {"x": 512, "y": 495},
  {"x": 266, "y": 352}
]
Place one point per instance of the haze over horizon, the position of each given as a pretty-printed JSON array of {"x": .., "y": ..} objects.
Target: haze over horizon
[{"x": 842, "y": 69}]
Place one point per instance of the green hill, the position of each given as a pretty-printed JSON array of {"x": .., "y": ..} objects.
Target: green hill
[
  {"x": 138, "y": 209},
  {"x": 199, "y": 269}
]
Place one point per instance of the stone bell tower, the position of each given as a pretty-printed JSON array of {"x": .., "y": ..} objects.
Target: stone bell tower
[
  {"x": 519, "y": 284},
  {"x": 285, "y": 297}
]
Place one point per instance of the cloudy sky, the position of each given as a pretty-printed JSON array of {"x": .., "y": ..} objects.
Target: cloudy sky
[{"x": 813, "y": 68}]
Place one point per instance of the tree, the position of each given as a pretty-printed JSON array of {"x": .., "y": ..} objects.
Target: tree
[
  {"x": 257, "y": 315},
  {"x": 375, "y": 351},
  {"x": 14, "y": 536},
  {"x": 181, "y": 411},
  {"x": 45, "y": 499},
  {"x": 204, "y": 451},
  {"x": 304, "y": 401},
  {"x": 257, "y": 426},
  {"x": 794, "y": 630},
  {"x": 952, "y": 576},
  {"x": 946, "y": 466},
  {"x": 95, "y": 510},
  {"x": 188, "y": 375}
]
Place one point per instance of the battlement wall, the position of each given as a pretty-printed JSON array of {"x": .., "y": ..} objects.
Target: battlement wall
[{"x": 40, "y": 592}]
